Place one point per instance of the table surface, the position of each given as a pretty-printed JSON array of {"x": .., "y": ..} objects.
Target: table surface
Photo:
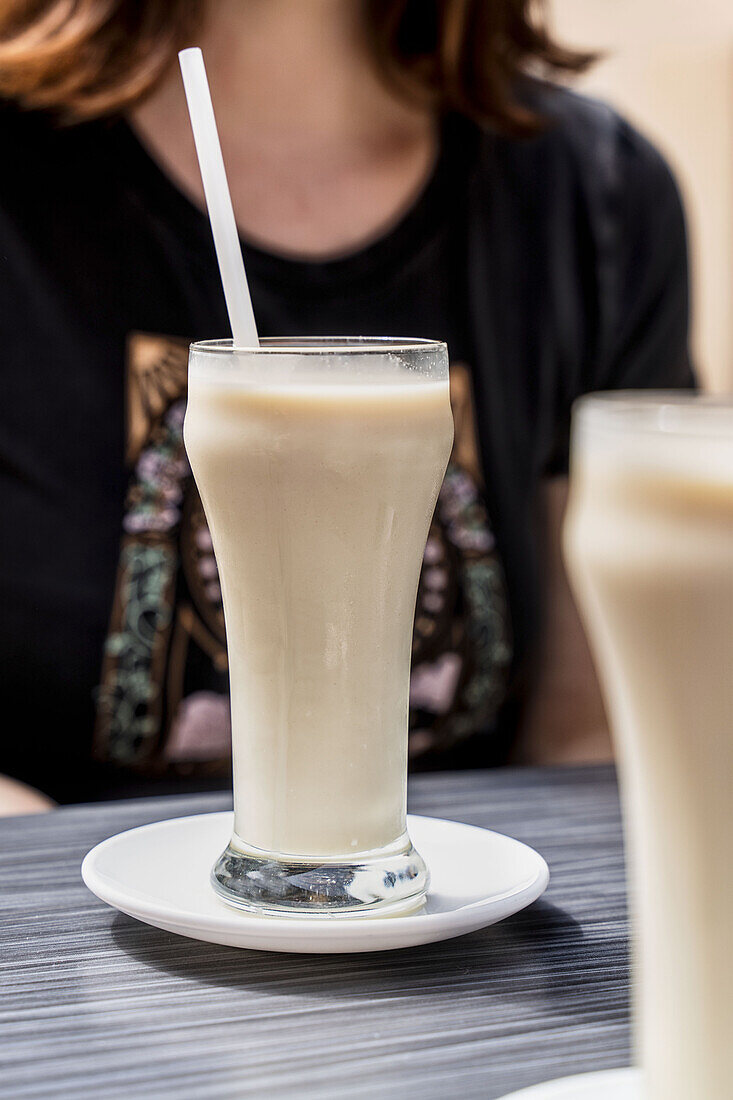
[{"x": 95, "y": 1004}]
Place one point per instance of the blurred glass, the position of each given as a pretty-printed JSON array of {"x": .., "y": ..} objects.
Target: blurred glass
[{"x": 649, "y": 546}]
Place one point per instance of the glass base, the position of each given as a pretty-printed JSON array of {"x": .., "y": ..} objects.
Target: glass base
[{"x": 383, "y": 883}]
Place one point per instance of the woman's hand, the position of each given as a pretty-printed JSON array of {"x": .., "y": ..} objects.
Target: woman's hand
[{"x": 18, "y": 798}]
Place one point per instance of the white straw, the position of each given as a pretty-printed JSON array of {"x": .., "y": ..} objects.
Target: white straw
[{"x": 218, "y": 199}]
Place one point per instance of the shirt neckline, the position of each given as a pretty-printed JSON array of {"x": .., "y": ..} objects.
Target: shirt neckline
[{"x": 423, "y": 219}]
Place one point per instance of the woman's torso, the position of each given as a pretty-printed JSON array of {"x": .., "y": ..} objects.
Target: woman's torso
[{"x": 112, "y": 633}]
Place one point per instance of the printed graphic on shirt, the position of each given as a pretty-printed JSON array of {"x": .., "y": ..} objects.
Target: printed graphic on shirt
[{"x": 162, "y": 703}]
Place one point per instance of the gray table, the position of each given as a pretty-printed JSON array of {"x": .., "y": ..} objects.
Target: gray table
[{"x": 96, "y": 1005}]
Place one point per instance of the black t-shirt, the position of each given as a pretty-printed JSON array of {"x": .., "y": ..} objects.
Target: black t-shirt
[{"x": 551, "y": 266}]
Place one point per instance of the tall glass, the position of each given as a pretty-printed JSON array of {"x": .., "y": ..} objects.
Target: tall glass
[
  {"x": 649, "y": 544},
  {"x": 319, "y": 464}
]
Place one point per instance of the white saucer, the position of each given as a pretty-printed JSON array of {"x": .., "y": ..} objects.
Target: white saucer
[
  {"x": 160, "y": 874},
  {"x": 613, "y": 1084}
]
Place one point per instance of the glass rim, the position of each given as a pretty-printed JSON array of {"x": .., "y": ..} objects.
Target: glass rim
[
  {"x": 322, "y": 345},
  {"x": 655, "y": 412}
]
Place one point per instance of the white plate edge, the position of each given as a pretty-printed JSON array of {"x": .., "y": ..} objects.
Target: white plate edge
[{"x": 557, "y": 1089}]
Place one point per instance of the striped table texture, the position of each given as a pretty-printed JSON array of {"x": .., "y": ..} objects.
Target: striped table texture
[{"x": 95, "y": 1005}]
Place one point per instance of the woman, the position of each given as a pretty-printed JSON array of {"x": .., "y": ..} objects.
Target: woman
[{"x": 393, "y": 171}]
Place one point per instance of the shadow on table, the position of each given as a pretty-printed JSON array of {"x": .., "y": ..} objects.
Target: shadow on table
[{"x": 532, "y": 951}]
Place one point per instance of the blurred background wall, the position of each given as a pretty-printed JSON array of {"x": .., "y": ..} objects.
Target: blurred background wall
[{"x": 669, "y": 69}]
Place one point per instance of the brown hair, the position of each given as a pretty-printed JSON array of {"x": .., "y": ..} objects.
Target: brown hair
[{"x": 87, "y": 58}]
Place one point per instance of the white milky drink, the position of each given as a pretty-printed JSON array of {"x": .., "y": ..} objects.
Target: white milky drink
[
  {"x": 649, "y": 541},
  {"x": 319, "y": 473}
]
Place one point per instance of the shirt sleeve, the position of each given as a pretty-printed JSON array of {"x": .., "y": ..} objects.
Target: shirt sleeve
[
  {"x": 643, "y": 275},
  {"x": 642, "y": 335}
]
